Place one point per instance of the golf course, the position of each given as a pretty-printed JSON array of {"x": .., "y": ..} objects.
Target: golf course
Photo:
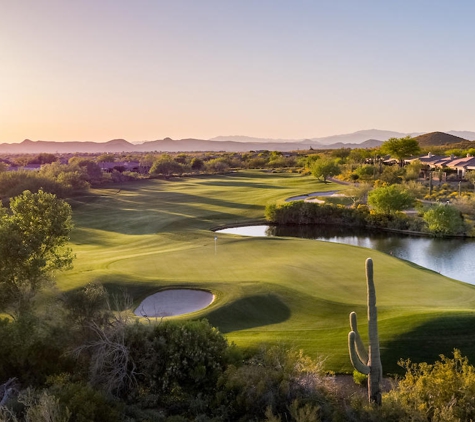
[{"x": 150, "y": 235}]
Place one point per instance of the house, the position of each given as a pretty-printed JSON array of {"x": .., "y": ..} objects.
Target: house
[
  {"x": 461, "y": 165},
  {"x": 109, "y": 167},
  {"x": 456, "y": 165}
]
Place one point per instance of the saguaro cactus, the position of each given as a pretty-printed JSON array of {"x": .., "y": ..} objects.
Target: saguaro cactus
[{"x": 367, "y": 363}]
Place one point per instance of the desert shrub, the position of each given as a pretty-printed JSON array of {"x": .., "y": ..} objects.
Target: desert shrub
[
  {"x": 88, "y": 305},
  {"x": 443, "y": 220},
  {"x": 176, "y": 361},
  {"x": 442, "y": 392},
  {"x": 197, "y": 164},
  {"x": 390, "y": 199},
  {"x": 217, "y": 165},
  {"x": 41, "y": 406},
  {"x": 465, "y": 204},
  {"x": 359, "y": 410},
  {"x": 72, "y": 177},
  {"x": 276, "y": 381},
  {"x": 300, "y": 212},
  {"x": 13, "y": 183},
  {"x": 365, "y": 172},
  {"x": 359, "y": 378},
  {"x": 391, "y": 175},
  {"x": 31, "y": 350},
  {"x": 84, "y": 402}
]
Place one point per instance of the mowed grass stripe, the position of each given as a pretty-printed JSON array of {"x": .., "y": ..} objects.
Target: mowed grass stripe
[{"x": 154, "y": 234}]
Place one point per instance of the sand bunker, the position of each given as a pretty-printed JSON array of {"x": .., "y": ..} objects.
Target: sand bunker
[{"x": 174, "y": 302}]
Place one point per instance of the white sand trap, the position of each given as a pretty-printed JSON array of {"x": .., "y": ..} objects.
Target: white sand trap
[{"x": 174, "y": 302}]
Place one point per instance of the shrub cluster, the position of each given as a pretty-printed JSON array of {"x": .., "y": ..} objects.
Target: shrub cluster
[{"x": 301, "y": 212}]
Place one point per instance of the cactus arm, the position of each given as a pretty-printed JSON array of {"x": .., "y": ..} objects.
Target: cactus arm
[
  {"x": 360, "y": 349},
  {"x": 355, "y": 359}
]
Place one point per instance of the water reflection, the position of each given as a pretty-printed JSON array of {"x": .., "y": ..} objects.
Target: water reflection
[{"x": 451, "y": 257}]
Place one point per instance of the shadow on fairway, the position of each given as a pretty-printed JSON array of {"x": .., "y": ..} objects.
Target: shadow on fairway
[
  {"x": 429, "y": 340},
  {"x": 245, "y": 183},
  {"x": 249, "y": 312},
  {"x": 148, "y": 214},
  {"x": 118, "y": 285}
]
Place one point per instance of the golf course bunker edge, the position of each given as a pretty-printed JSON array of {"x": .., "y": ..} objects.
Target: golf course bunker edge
[{"x": 173, "y": 302}]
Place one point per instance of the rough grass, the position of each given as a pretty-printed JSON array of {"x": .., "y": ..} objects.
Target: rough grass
[{"x": 149, "y": 235}]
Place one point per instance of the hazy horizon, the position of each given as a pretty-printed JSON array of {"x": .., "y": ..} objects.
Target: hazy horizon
[{"x": 141, "y": 71}]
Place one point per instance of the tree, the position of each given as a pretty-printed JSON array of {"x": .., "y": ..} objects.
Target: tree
[
  {"x": 325, "y": 168},
  {"x": 390, "y": 199},
  {"x": 358, "y": 155},
  {"x": 197, "y": 164},
  {"x": 401, "y": 148},
  {"x": 91, "y": 168},
  {"x": 33, "y": 239},
  {"x": 444, "y": 220},
  {"x": 43, "y": 158},
  {"x": 106, "y": 158},
  {"x": 217, "y": 165},
  {"x": 358, "y": 193},
  {"x": 166, "y": 166}
]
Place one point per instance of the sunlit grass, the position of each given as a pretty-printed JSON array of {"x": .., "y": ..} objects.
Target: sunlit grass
[{"x": 149, "y": 235}]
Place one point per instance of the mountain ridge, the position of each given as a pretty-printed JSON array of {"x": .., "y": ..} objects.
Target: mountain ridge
[{"x": 235, "y": 143}]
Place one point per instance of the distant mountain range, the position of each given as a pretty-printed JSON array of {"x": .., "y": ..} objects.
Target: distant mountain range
[{"x": 361, "y": 139}]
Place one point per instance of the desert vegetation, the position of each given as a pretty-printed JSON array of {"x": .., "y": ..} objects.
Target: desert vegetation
[{"x": 269, "y": 346}]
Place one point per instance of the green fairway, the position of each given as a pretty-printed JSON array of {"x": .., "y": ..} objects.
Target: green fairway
[{"x": 154, "y": 234}]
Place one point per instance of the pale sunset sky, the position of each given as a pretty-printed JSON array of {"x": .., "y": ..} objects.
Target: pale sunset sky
[{"x": 95, "y": 70}]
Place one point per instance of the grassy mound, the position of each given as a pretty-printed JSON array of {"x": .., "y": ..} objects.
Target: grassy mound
[{"x": 153, "y": 234}]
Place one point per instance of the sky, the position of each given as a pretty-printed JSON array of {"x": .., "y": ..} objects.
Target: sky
[{"x": 95, "y": 70}]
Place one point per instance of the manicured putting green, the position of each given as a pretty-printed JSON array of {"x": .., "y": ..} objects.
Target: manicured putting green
[{"x": 151, "y": 235}]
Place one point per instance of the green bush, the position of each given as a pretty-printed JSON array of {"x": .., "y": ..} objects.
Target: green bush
[
  {"x": 301, "y": 212},
  {"x": 13, "y": 183},
  {"x": 443, "y": 220},
  {"x": 176, "y": 361}
]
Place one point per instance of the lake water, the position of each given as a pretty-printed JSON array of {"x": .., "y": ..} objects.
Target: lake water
[{"x": 453, "y": 258}]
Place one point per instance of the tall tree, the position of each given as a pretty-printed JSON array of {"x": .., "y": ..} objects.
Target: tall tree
[
  {"x": 33, "y": 237},
  {"x": 401, "y": 148},
  {"x": 166, "y": 166},
  {"x": 325, "y": 168}
]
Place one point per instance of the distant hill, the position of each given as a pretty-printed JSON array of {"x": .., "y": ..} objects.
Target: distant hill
[
  {"x": 242, "y": 138},
  {"x": 36, "y": 147},
  {"x": 465, "y": 134},
  {"x": 348, "y": 138},
  {"x": 361, "y": 136},
  {"x": 437, "y": 139},
  {"x": 361, "y": 139}
]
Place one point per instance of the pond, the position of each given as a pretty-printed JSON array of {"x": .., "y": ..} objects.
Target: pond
[{"x": 454, "y": 258}]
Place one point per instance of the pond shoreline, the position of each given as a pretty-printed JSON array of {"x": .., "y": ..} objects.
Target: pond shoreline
[
  {"x": 379, "y": 229},
  {"x": 451, "y": 257}
]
